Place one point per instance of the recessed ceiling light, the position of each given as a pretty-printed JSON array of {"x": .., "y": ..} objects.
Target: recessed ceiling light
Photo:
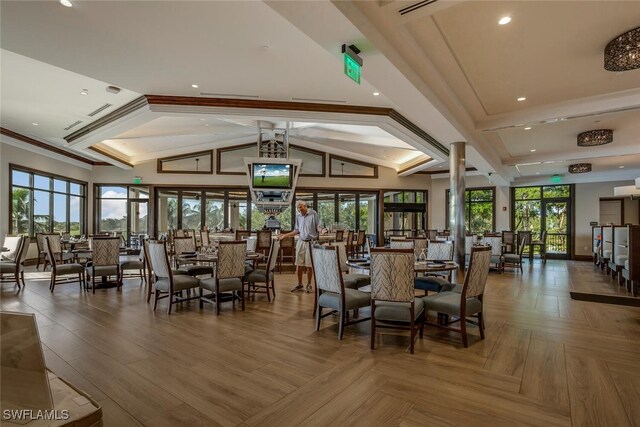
[
  {"x": 207, "y": 124},
  {"x": 504, "y": 20},
  {"x": 533, "y": 150},
  {"x": 202, "y": 120},
  {"x": 621, "y": 167},
  {"x": 34, "y": 123},
  {"x": 376, "y": 93},
  {"x": 66, "y": 3},
  {"x": 195, "y": 86},
  {"x": 527, "y": 128},
  {"x": 537, "y": 173},
  {"x": 84, "y": 92},
  {"x": 440, "y": 166},
  {"x": 522, "y": 98}
]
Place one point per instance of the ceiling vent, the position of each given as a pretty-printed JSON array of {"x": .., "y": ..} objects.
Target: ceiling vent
[
  {"x": 99, "y": 110},
  {"x": 228, "y": 95},
  {"x": 416, "y": 6},
  {"x": 326, "y": 101},
  {"x": 73, "y": 125}
]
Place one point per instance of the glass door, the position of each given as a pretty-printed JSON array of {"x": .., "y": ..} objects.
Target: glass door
[{"x": 555, "y": 220}]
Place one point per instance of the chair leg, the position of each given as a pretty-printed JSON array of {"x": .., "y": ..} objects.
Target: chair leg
[
  {"x": 17, "y": 278},
  {"x": 22, "y": 278},
  {"x": 200, "y": 302},
  {"x": 155, "y": 302},
  {"x": 217, "y": 302},
  {"x": 318, "y": 318},
  {"x": 373, "y": 326},
  {"x": 481, "y": 325},
  {"x": 170, "y": 302},
  {"x": 412, "y": 335},
  {"x": 242, "y": 294},
  {"x": 463, "y": 328},
  {"x": 341, "y": 327},
  {"x": 273, "y": 286},
  {"x": 53, "y": 282}
]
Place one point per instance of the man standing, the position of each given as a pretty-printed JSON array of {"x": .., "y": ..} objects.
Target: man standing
[{"x": 307, "y": 230}]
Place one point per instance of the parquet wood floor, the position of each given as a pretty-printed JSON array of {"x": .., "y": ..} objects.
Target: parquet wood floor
[{"x": 547, "y": 360}]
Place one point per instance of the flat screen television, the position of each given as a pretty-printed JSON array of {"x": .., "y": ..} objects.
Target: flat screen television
[{"x": 266, "y": 175}]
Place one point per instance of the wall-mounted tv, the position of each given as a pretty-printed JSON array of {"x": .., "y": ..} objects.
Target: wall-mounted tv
[{"x": 266, "y": 175}]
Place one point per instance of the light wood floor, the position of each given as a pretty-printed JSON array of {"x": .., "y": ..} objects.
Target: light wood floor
[{"x": 547, "y": 360}]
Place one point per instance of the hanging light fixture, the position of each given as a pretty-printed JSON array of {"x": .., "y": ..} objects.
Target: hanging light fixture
[
  {"x": 623, "y": 52},
  {"x": 580, "y": 168},
  {"x": 595, "y": 137}
]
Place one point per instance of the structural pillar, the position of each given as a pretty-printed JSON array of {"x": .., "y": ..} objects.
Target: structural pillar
[{"x": 457, "y": 171}]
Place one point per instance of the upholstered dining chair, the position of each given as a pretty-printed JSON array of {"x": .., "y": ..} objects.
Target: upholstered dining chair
[
  {"x": 287, "y": 251},
  {"x": 228, "y": 276},
  {"x": 15, "y": 266},
  {"x": 58, "y": 270},
  {"x": 509, "y": 240},
  {"x": 528, "y": 236},
  {"x": 330, "y": 290},
  {"x": 497, "y": 256},
  {"x": 166, "y": 283},
  {"x": 350, "y": 243},
  {"x": 464, "y": 301},
  {"x": 61, "y": 256},
  {"x": 351, "y": 280},
  {"x": 187, "y": 245},
  {"x": 242, "y": 233},
  {"x": 263, "y": 242},
  {"x": 435, "y": 282},
  {"x": 264, "y": 278},
  {"x": 12, "y": 243},
  {"x": 130, "y": 263},
  {"x": 105, "y": 260},
  {"x": 361, "y": 238},
  {"x": 515, "y": 260},
  {"x": 393, "y": 302},
  {"x": 401, "y": 243},
  {"x": 150, "y": 275}
]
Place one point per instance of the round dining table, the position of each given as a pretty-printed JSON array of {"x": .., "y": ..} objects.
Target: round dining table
[{"x": 418, "y": 266}]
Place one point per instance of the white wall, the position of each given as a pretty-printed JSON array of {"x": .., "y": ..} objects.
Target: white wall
[
  {"x": 587, "y": 209},
  {"x": 437, "y": 202}
]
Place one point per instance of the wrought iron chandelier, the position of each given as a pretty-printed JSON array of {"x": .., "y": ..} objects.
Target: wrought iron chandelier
[
  {"x": 623, "y": 52},
  {"x": 580, "y": 168},
  {"x": 595, "y": 137}
]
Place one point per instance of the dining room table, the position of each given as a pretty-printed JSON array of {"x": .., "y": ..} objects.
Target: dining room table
[{"x": 418, "y": 266}]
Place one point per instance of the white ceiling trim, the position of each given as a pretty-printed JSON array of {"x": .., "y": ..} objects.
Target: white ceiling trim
[{"x": 4, "y": 139}]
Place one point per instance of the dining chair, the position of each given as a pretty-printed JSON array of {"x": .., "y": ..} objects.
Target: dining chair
[
  {"x": 339, "y": 235},
  {"x": 61, "y": 256},
  {"x": 264, "y": 278},
  {"x": 401, "y": 244},
  {"x": 528, "y": 238},
  {"x": 515, "y": 260},
  {"x": 242, "y": 233},
  {"x": 105, "y": 260},
  {"x": 287, "y": 251},
  {"x": 12, "y": 243},
  {"x": 263, "y": 242},
  {"x": 15, "y": 266},
  {"x": 58, "y": 270},
  {"x": 436, "y": 281},
  {"x": 497, "y": 257},
  {"x": 228, "y": 276},
  {"x": 361, "y": 237},
  {"x": 467, "y": 300},
  {"x": 187, "y": 245},
  {"x": 166, "y": 283},
  {"x": 509, "y": 240},
  {"x": 393, "y": 301},
  {"x": 131, "y": 263},
  {"x": 349, "y": 242},
  {"x": 351, "y": 280},
  {"x": 330, "y": 290}
]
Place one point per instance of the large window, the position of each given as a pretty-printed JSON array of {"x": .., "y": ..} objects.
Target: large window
[
  {"x": 545, "y": 208},
  {"x": 122, "y": 209},
  {"x": 45, "y": 203},
  {"x": 480, "y": 208}
]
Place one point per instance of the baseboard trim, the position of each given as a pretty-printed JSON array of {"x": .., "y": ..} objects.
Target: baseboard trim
[
  {"x": 606, "y": 299},
  {"x": 583, "y": 257}
]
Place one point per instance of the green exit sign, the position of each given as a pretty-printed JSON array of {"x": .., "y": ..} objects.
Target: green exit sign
[
  {"x": 352, "y": 62},
  {"x": 352, "y": 68},
  {"x": 556, "y": 179}
]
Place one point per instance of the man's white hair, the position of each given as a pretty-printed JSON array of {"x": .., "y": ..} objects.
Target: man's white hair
[{"x": 301, "y": 203}]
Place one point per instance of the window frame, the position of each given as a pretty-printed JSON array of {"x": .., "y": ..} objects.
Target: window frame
[
  {"x": 51, "y": 176},
  {"x": 467, "y": 207},
  {"x": 97, "y": 211}
]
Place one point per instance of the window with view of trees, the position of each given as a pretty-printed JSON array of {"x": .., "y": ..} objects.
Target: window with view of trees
[
  {"x": 479, "y": 209},
  {"x": 405, "y": 213},
  {"x": 44, "y": 203},
  {"x": 544, "y": 208}
]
